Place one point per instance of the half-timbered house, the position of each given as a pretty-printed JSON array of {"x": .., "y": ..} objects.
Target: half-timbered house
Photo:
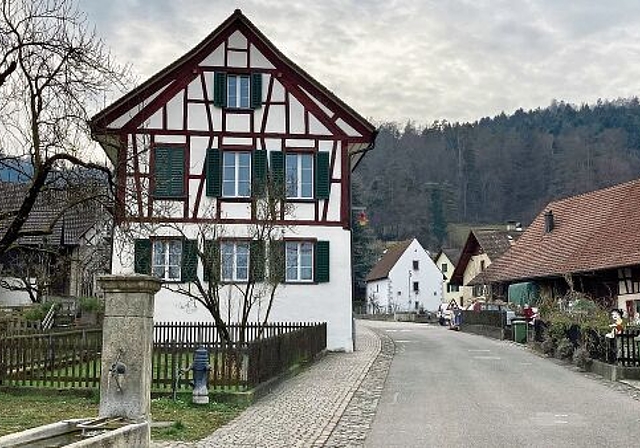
[{"x": 194, "y": 145}]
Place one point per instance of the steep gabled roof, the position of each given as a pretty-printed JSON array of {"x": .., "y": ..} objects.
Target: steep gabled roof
[
  {"x": 452, "y": 254},
  {"x": 388, "y": 261},
  {"x": 492, "y": 242},
  {"x": 185, "y": 65},
  {"x": 592, "y": 231}
]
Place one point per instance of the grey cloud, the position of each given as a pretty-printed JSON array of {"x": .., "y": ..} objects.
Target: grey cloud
[{"x": 404, "y": 59}]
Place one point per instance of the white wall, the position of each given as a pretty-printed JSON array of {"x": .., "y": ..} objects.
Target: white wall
[
  {"x": 396, "y": 293},
  {"x": 428, "y": 276},
  {"x": 324, "y": 302},
  {"x": 447, "y": 297},
  {"x": 13, "y": 298}
]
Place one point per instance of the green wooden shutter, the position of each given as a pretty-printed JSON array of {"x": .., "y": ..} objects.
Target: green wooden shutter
[
  {"x": 259, "y": 176},
  {"x": 256, "y": 90},
  {"x": 322, "y": 175},
  {"x": 257, "y": 260},
  {"x": 276, "y": 262},
  {"x": 220, "y": 89},
  {"x": 322, "y": 261},
  {"x": 169, "y": 172},
  {"x": 189, "y": 271},
  {"x": 211, "y": 261},
  {"x": 142, "y": 257},
  {"x": 214, "y": 172},
  {"x": 277, "y": 173},
  {"x": 162, "y": 171}
]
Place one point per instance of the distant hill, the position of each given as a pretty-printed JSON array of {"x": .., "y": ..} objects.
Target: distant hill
[{"x": 419, "y": 179}]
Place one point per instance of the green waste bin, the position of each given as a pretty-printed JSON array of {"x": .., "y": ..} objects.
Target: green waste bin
[{"x": 519, "y": 328}]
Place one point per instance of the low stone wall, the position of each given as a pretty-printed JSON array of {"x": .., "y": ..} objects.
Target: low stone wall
[{"x": 613, "y": 372}]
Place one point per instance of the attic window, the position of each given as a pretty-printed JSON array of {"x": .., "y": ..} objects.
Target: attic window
[
  {"x": 416, "y": 265},
  {"x": 237, "y": 91}
]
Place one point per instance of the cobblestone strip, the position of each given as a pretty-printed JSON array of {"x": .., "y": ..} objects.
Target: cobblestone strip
[
  {"x": 355, "y": 423},
  {"x": 302, "y": 411}
]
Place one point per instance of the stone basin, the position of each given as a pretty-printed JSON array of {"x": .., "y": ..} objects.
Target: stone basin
[{"x": 81, "y": 433}]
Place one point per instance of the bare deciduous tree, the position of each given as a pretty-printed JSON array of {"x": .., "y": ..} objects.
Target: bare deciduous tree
[{"x": 56, "y": 70}]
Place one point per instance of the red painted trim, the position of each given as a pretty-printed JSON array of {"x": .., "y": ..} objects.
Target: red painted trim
[
  {"x": 310, "y": 105},
  {"x": 254, "y": 37},
  {"x": 165, "y": 220},
  {"x": 137, "y": 174},
  {"x": 152, "y": 179},
  {"x": 266, "y": 107},
  {"x": 203, "y": 177},
  {"x": 270, "y": 135},
  {"x": 205, "y": 95},
  {"x": 121, "y": 179}
]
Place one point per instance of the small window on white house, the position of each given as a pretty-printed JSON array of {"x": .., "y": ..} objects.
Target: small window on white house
[
  {"x": 234, "y": 261},
  {"x": 299, "y": 261},
  {"x": 416, "y": 286},
  {"x": 444, "y": 268},
  {"x": 236, "y": 174},
  {"x": 299, "y": 176},
  {"x": 416, "y": 265},
  {"x": 238, "y": 91},
  {"x": 166, "y": 259}
]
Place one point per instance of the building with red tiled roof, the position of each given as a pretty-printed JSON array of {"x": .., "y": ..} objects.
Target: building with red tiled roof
[
  {"x": 591, "y": 240},
  {"x": 482, "y": 248},
  {"x": 404, "y": 279}
]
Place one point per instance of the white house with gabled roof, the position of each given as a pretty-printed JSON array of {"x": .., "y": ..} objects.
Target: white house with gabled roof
[
  {"x": 193, "y": 145},
  {"x": 405, "y": 279}
]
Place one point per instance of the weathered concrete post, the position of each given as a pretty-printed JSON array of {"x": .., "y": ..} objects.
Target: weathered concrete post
[{"x": 127, "y": 344}]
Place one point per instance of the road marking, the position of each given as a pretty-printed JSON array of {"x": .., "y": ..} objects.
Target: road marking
[
  {"x": 478, "y": 350},
  {"x": 486, "y": 357},
  {"x": 403, "y": 341}
]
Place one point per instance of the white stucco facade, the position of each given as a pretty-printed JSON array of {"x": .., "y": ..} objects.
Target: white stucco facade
[
  {"x": 291, "y": 116},
  {"x": 449, "y": 292},
  {"x": 414, "y": 283}
]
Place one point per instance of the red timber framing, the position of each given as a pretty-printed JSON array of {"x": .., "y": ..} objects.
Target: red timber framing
[{"x": 151, "y": 102}]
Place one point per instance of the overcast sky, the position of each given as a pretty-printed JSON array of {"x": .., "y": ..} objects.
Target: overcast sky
[{"x": 423, "y": 60}]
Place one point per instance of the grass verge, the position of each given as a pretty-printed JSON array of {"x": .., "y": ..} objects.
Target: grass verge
[{"x": 20, "y": 411}]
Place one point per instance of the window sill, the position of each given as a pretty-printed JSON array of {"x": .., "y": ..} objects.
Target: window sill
[
  {"x": 169, "y": 198},
  {"x": 243, "y": 199},
  {"x": 301, "y": 200}
]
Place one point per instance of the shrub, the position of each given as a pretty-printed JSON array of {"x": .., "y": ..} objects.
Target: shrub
[
  {"x": 548, "y": 345},
  {"x": 36, "y": 312},
  {"x": 90, "y": 304},
  {"x": 582, "y": 358},
  {"x": 564, "y": 349}
]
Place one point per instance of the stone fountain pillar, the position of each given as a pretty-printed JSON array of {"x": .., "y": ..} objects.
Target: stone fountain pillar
[{"x": 127, "y": 344}]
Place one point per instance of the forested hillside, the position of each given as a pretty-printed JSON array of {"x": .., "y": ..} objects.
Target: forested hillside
[{"x": 419, "y": 179}]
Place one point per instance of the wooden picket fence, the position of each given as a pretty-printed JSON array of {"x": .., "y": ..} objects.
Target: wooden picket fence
[{"x": 71, "y": 359}]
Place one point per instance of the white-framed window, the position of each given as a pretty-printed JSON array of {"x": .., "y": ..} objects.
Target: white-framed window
[
  {"x": 299, "y": 176},
  {"x": 299, "y": 261},
  {"x": 234, "y": 258},
  {"x": 166, "y": 258},
  {"x": 236, "y": 174},
  {"x": 238, "y": 91}
]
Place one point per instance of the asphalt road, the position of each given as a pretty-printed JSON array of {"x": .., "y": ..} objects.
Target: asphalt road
[{"x": 452, "y": 389}]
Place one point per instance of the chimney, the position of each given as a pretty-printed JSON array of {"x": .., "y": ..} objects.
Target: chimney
[{"x": 548, "y": 222}]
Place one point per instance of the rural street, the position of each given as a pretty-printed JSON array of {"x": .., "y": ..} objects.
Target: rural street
[{"x": 453, "y": 389}]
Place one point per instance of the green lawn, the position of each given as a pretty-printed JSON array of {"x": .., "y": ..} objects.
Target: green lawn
[{"x": 19, "y": 411}]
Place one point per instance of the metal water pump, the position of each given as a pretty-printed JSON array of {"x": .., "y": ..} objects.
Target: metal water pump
[{"x": 200, "y": 368}]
